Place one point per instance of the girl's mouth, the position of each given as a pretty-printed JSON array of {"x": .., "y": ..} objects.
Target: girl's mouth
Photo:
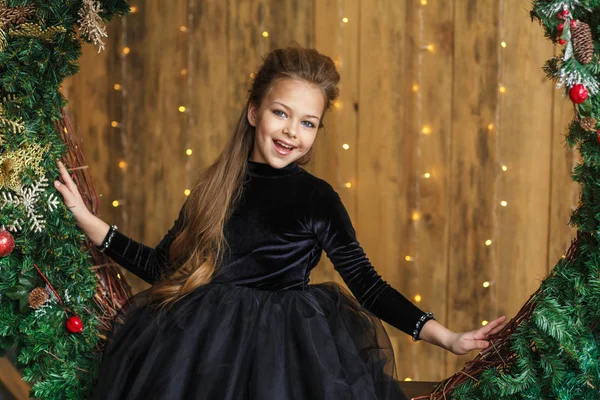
[{"x": 282, "y": 148}]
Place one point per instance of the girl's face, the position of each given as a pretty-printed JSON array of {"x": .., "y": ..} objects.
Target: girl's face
[{"x": 286, "y": 123}]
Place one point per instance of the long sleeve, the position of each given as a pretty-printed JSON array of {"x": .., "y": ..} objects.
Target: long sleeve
[
  {"x": 146, "y": 262},
  {"x": 336, "y": 235}
]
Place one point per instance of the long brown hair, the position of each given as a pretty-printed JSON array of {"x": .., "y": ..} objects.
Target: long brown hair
[{"x": 198, "y": 250}]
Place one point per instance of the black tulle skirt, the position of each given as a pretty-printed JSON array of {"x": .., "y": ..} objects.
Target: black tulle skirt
[{"x": 226, "y": 342}]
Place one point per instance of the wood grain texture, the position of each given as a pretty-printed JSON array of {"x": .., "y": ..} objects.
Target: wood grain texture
[
  {"x": 388, "y": 159},
  {"x": 524, "y": 140},
  {"x": 211, "y": 122},
  {"x": 473, "y": 167},
  {"x": 434, "y": 98},
  {"x": 380, "y": 58},
  {"x": 331, "y": 161}
]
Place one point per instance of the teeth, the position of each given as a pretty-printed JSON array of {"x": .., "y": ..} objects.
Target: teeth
[{"x": 284, "y": 145}]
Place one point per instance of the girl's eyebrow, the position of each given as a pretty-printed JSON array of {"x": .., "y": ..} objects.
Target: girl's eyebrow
[{"x": 308, "y": 115}]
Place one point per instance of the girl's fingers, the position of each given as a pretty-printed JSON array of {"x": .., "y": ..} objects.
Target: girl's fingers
[
  {"x": 491, "y": 328},
  {"x": 68, "y": 181},
  {"x": 65, "y": 193},
  {"x": 496, "y": 330}
]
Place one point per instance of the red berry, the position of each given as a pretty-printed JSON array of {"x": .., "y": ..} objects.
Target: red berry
[
  {"x": 74, "y": 324},
  {"x": 598, "y": 136},
  {"x": 562, "y": 14},
  {"x": 562, "y": 41},
  {"x": 574, "y": 23},
  {"x": 7, "y": 243},
  {"x": 578, "y": 93},
  {"x": 561, "y": 26}
]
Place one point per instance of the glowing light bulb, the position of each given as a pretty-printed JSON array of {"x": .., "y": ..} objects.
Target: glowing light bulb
[
  {"x": 117, "y": 86},
  {"x": 252, "y": 75},
  {"x": 114, "y": 124},
  {"x": 348, "y": 185},
  {"x": 503, "y": 203},
  {"x": 503, "y": 44},
  {"x": 486, "y": 284},
  {"x": 504, "y": 168},
  {"x": 416, "y": 216},
  {"x": 415, "y": 87},
  {"x": 345, "y": 20},
  {"x": 337, "y": 104},
  {"x": 427, "y": 175},
  {"x": 502, "y": 89},
  {"x": 426, "y": 130},
  {"x": 133, "y": 9},
  {"x": 346, "y": 146},
  {"x": 115, "y": 203},
  {"x": 488, "y": 242},
  {"x": 188, "y": 152},
  {"x": 484, "y": 322},
  {"x": 490, "y": 127},
  {"x": 122, "y": 164},
  {"x": 187, "y": 192},
  {"x": 265, "y": 34},
  {"x": 183, "y": 28},
  {"x": 418, "y": 298},
  {"x": 408, "y": 258},
  {"x": 183, "y": 71},
  {"x": 181, "y": 108},
  {"x": 126, "y": 50},
  {"x": 424, "y": 2},
  {"x": 407, "y": 379}
]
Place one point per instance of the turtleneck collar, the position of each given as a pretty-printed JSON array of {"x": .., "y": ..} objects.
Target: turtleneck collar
[{"x": 267, "y": 171}]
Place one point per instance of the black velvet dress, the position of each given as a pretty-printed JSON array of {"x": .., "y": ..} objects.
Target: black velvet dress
[{"x": 259, "y": 330}]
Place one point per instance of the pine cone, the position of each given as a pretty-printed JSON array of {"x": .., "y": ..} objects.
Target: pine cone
[
  {"x": 16, "y": 15},
  {"x": 581, "y": 35},
  {"x": 588, "y": 123},
  {"x": 38, "y": 297}
]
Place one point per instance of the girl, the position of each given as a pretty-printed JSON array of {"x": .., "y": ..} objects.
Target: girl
[{"x": 231, "y": 314}]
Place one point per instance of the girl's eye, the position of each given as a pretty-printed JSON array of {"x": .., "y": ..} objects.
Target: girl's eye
[{"x": 279, "y": 111}]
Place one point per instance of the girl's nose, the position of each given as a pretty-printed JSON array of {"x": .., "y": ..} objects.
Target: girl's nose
[{"x": 289, "y": 131}]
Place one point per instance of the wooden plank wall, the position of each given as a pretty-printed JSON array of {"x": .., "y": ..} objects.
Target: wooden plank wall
[{"x": 406, "y": 109}]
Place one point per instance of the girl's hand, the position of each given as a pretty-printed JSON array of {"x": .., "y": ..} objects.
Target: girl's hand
[
  {"x": 464, "y": 342},
  {"x": 71, "y": 197}
]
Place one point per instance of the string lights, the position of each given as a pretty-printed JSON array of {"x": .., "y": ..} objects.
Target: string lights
[
  {"x": 125, "y": 51},
  {"x": 122, "y": 123},
  {"x": 424, "y": 130},
  {"x": 190, "y": 115},
  {"x": 494, "y": 128},
  {"x": 337, "y": 104}
]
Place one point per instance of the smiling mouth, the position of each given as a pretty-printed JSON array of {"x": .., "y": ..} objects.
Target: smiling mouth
[{"x": 283, "y": 145}]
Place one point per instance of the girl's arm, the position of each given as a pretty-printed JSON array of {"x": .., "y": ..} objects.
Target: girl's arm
[
  {"x": 146, "y": 262},
  {"x": 435, "y": 333},
  {"x": 460, "y": 343},
  {"x": 331, "y": 223},
  {"x": 94, "y": 228},
  {"x": 332, "y": 226}
]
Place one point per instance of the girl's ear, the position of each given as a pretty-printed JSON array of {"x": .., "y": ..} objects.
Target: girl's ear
[{"x": 252, "y": 115}]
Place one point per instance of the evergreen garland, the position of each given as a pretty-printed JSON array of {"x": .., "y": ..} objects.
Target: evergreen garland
[{"x": 47, "y": 288}]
